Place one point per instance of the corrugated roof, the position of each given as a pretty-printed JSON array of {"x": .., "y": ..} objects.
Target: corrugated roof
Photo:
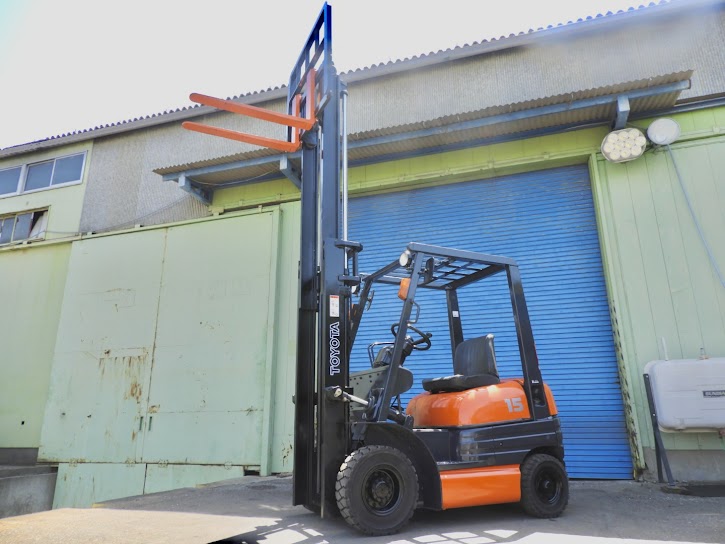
[
  {"x": 372, "y": 71},
  {"x": 360, "y": 151}
]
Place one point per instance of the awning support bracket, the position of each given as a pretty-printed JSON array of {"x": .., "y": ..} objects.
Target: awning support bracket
[
  {"x": 202, "y": 195},
  {"x": 622, "y": 112}
]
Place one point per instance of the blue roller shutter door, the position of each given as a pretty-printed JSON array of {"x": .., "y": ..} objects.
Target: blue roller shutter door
[{"x": 545, "y": 220}]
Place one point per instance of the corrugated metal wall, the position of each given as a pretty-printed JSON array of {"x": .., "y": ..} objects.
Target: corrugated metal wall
[
  {"x": 546, "y": 221},
  {"x": 662, "y": 282}
]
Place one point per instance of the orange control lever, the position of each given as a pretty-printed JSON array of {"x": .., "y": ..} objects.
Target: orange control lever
[
  {"x": 279, "y": 145},
  {"x": 253, "y": 111}
]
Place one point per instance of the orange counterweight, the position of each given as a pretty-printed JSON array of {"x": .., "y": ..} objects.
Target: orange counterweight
[{"x": 503, "y": 402}]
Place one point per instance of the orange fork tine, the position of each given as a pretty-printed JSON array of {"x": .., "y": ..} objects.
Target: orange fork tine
[
  {"x": 279, "y": 145},
  {"x": 253, "y": 111}
]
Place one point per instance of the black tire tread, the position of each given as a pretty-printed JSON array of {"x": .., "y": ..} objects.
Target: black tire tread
[
  {"x": 529, "y": 501},
  {"x": 342, "y": 486}
]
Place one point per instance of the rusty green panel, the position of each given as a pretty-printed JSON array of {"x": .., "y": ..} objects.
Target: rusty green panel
[
  {"x": 31, "y": 294},
  {"x": 661, "y": 281},
  {"x": 207, "y": 382},
  {"x": 204, "y": 437},
  {"x": 166, "y": 477},
  {"x": 81, "y": 485},
  {"x": 102, "y": 362}
]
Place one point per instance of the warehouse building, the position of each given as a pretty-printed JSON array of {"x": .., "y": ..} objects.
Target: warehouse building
[{"x": 149, "y": 274}]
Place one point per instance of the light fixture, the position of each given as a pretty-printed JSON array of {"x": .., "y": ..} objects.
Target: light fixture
[
  {"x": 624, "y": 145},
  {"x": 663, "y": 131},
  {"x": 405, "y": 258}
]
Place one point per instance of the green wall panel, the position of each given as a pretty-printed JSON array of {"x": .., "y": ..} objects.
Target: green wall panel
[
  {"x": 166, "y": 355},
  {"x": 285, "y": 351},
  {"x": 663, "y": 287},
  {"x": 166, "y": 477},
  {"x": 207, "y": 384},
  {"x": 435, "y": 169},
  {"x": 31, "y": 294},
  {"x": 102, "y": 361},
  {"x": 83, "y": 484}
]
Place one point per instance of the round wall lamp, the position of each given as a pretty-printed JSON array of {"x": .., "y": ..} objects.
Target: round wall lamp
[{"x": 663, "y": 131}]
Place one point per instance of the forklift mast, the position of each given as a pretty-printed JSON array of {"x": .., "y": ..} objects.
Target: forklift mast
[
  {"x": 321, "y": 435},
  {"x": 315, "y": 160}
]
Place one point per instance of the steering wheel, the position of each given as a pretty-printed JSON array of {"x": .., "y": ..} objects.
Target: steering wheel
[{"x": 422, "y": 344}]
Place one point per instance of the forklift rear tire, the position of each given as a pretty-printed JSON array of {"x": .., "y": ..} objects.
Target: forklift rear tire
[
  {"x": 377, "y": 490},
  {"x": 544, "y": 486}
]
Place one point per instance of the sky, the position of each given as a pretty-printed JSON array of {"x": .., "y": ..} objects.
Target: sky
[{"x": 68, "y": 65}]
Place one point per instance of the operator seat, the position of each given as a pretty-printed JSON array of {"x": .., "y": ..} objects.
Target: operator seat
[{"x": 474, "y": 364}]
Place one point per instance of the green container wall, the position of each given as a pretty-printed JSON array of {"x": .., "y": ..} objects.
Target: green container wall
[
  {"x": 31, "y": 295},
  {"x": 173, "y": 354},
  {"x": 661, "y": 282}
]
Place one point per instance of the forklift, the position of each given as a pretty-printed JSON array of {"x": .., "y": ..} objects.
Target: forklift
[{"x": 471, "y": 438}]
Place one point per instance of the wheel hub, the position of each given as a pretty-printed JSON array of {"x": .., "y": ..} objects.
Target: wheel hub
[
  {"x": 381, "y": 490},
  {"x": 548, "y": 487}
]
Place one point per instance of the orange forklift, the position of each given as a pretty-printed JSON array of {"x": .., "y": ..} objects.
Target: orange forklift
[{"x": 472, "y": 438}]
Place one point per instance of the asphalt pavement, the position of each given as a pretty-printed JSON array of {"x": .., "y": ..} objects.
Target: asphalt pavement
[{"x": 258, "y": 510}]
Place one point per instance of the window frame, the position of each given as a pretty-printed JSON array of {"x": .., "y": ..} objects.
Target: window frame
[
  {"x": 21, "y": 178},
  {"x": 20, "y": 190},
  {"x": 14, "y": 215}
]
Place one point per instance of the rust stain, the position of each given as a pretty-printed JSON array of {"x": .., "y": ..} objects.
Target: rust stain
[
  {"x": 154, "y": 408},
  {"x": 134, "y": 434},
  {"x": 286, "y": 452},
  {"x": 135, "y": 391}
]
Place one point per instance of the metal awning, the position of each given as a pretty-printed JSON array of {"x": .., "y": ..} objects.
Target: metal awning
[{"x": 604, "y": 105}]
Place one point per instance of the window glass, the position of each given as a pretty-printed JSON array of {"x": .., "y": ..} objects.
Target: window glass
[
  {"x": 22, "y": 226},
  {"x": 9, "y": 180},
  {"x": 39, "y": 175},
  {"x": 68, "y": 169},
  {"x": 6, "y": 229}
]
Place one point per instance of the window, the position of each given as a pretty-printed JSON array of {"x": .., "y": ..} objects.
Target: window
[
  {"x": 23, "y": 226},
  {"x": 42, "y": 175},
  {"x": 9, "y": 180}
]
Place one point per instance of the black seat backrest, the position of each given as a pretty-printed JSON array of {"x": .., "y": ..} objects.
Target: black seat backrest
[
  {"x": 474, "y": 363},
  {"x": 475, "y": 356}
]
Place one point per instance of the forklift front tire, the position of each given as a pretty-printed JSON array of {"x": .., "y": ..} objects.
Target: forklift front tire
[
  {"x": 377, "y": 490},
  {"x": 544, "y": 486}
]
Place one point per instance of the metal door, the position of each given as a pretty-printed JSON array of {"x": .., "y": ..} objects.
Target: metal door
[{"x": 545, "y": 220}]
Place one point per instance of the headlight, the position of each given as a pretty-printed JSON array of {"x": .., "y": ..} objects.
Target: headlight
[{"x": 405, "y": 258}]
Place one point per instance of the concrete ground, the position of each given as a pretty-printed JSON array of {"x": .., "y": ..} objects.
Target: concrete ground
[{"x": 255, "y": 509}]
